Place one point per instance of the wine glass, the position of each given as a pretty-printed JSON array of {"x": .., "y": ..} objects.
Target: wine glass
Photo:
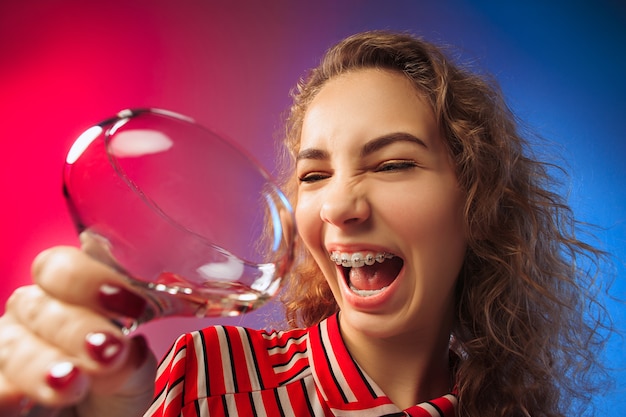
[
  {"x": 192, "y": 220},
  {"x": 194, "y": 223}
]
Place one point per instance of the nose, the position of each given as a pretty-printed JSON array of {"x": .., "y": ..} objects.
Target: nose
[{"x": 345, "y": 205}]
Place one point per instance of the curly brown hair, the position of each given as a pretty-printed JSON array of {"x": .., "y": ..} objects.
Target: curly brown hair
[{"x": 527, "y": 324}]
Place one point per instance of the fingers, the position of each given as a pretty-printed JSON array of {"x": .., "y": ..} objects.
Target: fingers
[
  {"x": 37, "y": 370},
  {"x": 51, "y": 350},
  {"x": 58, "y": 345},
  {"x": 129, "y": 392},
  {"x": 10, "y": 398},
  {"x": 72, "y": 276},
  {"x": 94, "y": 343},
  {"x": 136, "y": 377},
  {"x": 58, "y": 354}
]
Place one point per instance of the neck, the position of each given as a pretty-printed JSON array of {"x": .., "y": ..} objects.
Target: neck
[{"x": 409, "y": 369}]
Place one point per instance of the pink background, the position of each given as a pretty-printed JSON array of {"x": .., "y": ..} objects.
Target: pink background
[{"x": 67, "y": 64}]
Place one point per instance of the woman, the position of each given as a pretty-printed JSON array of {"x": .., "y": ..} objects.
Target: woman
[{"x": 436, "y": 276}]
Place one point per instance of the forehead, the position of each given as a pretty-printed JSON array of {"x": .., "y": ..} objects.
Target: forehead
[{"x": 367, "y": 103}]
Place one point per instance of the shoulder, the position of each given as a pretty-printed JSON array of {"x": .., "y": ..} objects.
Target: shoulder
[
  {"x": 228, "y": 336},
  {"x": 260, "y": 357}
]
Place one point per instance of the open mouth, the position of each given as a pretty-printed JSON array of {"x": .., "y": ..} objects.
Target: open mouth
[{"x": 368, "y": 274}]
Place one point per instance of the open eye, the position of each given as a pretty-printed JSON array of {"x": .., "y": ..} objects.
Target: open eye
[{"x": 396, "y": 165}]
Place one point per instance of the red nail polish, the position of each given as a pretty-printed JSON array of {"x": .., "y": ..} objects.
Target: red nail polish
[
  {"x": 104, "y": 347},
  {"x": 121, "y": 301},
  {"x": 61, "y": 375}
]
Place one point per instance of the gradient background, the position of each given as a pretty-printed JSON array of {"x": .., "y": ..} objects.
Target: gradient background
[{"x": 67, "y": 64}]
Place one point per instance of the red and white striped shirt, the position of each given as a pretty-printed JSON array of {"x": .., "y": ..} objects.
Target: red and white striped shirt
[{"x": 238, "y": 372}]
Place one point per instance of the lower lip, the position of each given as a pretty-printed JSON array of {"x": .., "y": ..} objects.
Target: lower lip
[{"x": 373, "y": 302}]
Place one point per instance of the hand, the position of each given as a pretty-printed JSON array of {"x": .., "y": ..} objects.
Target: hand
[{"x": 59, "y": 346}]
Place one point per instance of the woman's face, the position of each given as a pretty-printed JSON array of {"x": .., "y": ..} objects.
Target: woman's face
[{"x": 379, "y": 207}]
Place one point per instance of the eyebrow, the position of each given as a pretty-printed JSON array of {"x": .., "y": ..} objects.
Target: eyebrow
[
  {"x": 386, "y": 140},
  {"x": 312, "y": 153},
  {"x": 370, "y": 147}
]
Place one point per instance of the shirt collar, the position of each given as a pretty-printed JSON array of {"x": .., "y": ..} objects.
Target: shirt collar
[{"x": 347, "y": 389}]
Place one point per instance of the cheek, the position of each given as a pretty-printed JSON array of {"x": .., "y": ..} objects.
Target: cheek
[
  {"x": 429, "y": 218},
  {"x": 310, "y": 227},
  {"x": 307, "y": 220}
]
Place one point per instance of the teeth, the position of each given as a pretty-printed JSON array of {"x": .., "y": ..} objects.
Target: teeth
[
  {"x": 366, "y": 293},
  {"x": 357, "y": 259}
]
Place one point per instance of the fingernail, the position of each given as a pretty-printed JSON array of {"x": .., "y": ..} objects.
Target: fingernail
[
  {"x": 120, "y": 300},
  {"x": 103, "y": 347},
  {"x": 61, "y": 375}
]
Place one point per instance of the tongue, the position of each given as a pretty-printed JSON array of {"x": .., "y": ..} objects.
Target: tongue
[{"x": 376, "y": 276}]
